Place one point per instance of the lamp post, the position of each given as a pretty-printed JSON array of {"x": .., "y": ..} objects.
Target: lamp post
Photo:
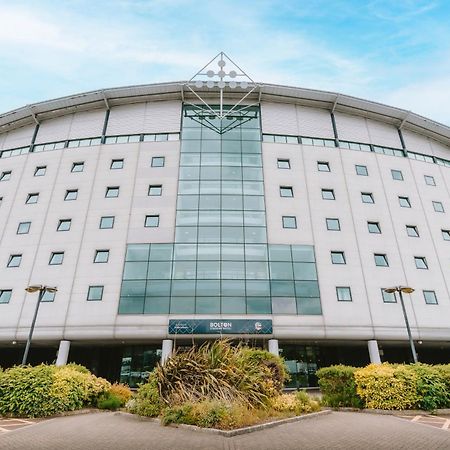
[
  {"x": 406, "y": 290},
  {"x": 42, "y": 290}
]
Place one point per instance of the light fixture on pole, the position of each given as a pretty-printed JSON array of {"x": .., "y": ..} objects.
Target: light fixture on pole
[
  {"x": 42, "y": 290},
  {"x": 406, "y": 290}
]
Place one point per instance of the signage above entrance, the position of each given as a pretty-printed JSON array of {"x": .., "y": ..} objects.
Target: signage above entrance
[{"x": 220, "y": 326}]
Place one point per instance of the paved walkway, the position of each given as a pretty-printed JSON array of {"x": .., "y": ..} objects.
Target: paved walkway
[
  {"x": 338, "y": 430},
  {"x": 442, "y": 422},
  {"x": 14, "y": 424}
]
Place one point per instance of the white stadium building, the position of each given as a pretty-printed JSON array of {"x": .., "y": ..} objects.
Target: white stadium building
[{"x": 173, "y": 213}]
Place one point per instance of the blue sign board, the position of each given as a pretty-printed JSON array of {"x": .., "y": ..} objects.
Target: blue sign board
[{"x": 220, "y": 326}]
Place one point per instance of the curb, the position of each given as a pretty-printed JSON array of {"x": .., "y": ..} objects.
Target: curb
[{"x": 392, "y": 412}]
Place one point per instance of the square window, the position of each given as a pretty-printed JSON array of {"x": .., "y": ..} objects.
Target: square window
[
  {"x": 374, "y": 227},
  {"x": 71, "y": 194},
  {"x": 289, "y": 222},
  {"x": 404, "y": 202},
  {"x": 323, "y": 166},
  {"x": 286, "y": 191},
  {"x": 283, "y": 163},
  {"x": 116, "y": 164},
  {"x": 361, "y": 170},
  {"x": 101, "y": 256},
  {"x": 77, "y": 167},
  {"x": 328, "y": 194},
  {"x": 40, "y": 171},
  {"x": 412, "y": 231},
  {"x": 430, "y": 297},
  {"x": 158, "y": 161},
  {"x": 48, "y": 296},
  {"x": 152, "y": 221},
  {"x": 56, "y": 258},
  {"x": 367, "y": 197},
  {"x": 438, "y": 206},
  {"x": 32, "y": 198},
  {"x": 5, "y": 295},
  {"x": 112, "y": 192},
  {"x": 338, "y": 257},
  {"x": 381, "y": 260},
  {"x": 5, "y": 176},
  {"x": 333, "y": 224},
  {"x": 95, "y": 293},
  {"x": 388, "y": 297},
  {"x": 344, "y": 294},
  {"x": 155, "y": 190},
  {"x": 421, "y": 262},
  {"x": 446, "y": 235},
  {"x": 23, "y": 228},
  {"x": 106, "y": 222},
  {"x": 430, "y": 180},
  {"x": 14, "y": 260},
  {"x": 397, "y": 175},
  {"x": 64, "y": 225}
]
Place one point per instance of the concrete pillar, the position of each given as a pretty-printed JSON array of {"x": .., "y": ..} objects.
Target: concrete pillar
[
  {"x": 374, "y": 353},
  {"x": 273, "y": 347},
  {"x": 63, "y": 353},
  {"x": 167, "y": 348}
]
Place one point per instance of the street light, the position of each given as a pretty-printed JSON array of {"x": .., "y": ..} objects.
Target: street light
[
  {"x": 406, "y": 290},
  {"x": 42, "y": 290}
]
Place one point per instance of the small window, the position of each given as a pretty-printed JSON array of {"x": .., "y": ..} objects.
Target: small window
[
  {"x": 32, "y": 198},
  {"x": 106, "y": 222},
  {"x": 344, "y": 294},
  {"x": 289, "y": 222},
  {"x": 95, "y": 293},
  {"x": 152, "y": 221},
  {"x": 48, "y": 296},
  {"x": 5, "y": 176},
  {"x": 283, "y": 164},
  {"x": 388, "y": 297},
  {"x": 412, "y": 231},
  {"x": 430, "y": 297},
  {"x": 56, "y": 258},
  {"x": 112, "y": 192},
  {"x": 361, "y": 170},
  {"x": 381, "y": 260},
  {"x": 323, "y": 166},
  {"x": 430, "y": 180},
  {"x": 101, "y": 256},
  {"x": 286, "y": 191},
  {"x": 78, "y": 167},
  {"x": 328, "y": 194},
  {"x": 333, "y": 224},
  {"x": 116, "y": 164},
  {"x": 64, "y": 225},
  {"x": 421, "y": 262},
  {"x": 23, "y": 228},
  {"x": 397, "y": 175},
  {"x": 374, "y": 227},
  {"x": 367, "y": 197},
  {"x": 14, "y": 260},
  {"x": 40, "y": 171},
  {"x": 5, "y": 295},
  {"x": 438, "y": 206},
  {"x": 404, "y": 202},
  {"x": 446, "y": 235},
  {"x": 155, "y": 190},
  {"x": 71, "y": 194},
  {"x": 338, "y": 257},
  {"x": 158, "y": 161}
]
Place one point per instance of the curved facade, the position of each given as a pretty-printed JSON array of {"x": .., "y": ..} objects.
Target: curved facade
[{"x": 289, "y": 217}]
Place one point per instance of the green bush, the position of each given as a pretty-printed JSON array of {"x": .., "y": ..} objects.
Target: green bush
[
  {"x": 109, "y": 401},
  {"x": 147, "y": 401},
  {"x": 338, "y": 387}
]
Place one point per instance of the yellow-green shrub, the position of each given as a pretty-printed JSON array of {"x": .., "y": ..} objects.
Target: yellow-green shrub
[
  {"x": 298, "y": 403},
  {"x": 385, "y": 386},
  {"x": 147, "y": 401},
  {"x": 121, "y": 391}
]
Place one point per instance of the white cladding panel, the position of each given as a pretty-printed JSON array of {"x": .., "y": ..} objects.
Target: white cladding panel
[
  {"x": 383, "y": 134},
  {"x": 314, "y": 122},
  {"x": 415, "y": 142},
  {"x": 21, "y": 137},
  {"x": 53, "y": 130},
  {"x": 87, "y": 124},
  {"x": 351, "y": 128},
  {"x": 279, "y": 118},
  {"x": 440, "y": 150}
]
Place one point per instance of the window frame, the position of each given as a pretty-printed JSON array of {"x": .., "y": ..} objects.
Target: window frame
[
  {"x": 367, "y": 196},
  {"x": 286, "y": 190},
  {"x": 120, "y": 161},
  {"x": 327, "y": 219},
  {"x": 69, "y": 192},
  {"x": 27, "y": 229},
  {"x": 327, "y": 192},
  {"x": 12, "y": 258},
  {"x": 431, "y": 179},
  {"x": 5, "y": 292},
  {"x": 100, "y": 255},
  {"x": 349, "y": 290},
  {"x": 285, "y": 219},
  {"x": 155, "y": 158},
  {"x": 283, "y": 160},
  {"x": 445, "y": 233},
  {"x": 381, "y": 257},
  {"x": 376, "y": 224},
  {"x": 56, "y": 255},
  {"x": 360, "y": 166},
  {"x": 37, "y": 169},
  {"x": 110, "y": 189},
  {"x": 106, "y": 217},
  {"x": 76, "y": 165},
  {"x": 339, "y": 253},
  {"x": 406, "y": 199},
  {"x": 32, "y": 196},
  {"x": 425, "y": 292},
  {"x": 157, "y": 187},
  {"x": 438, "y": 205},
  {"x": 397, "y": 171},
  {"x": 384, "y": 296},
  {"x": 324, "y": 164},
  {"x": 423, "y": 259},
  {"x": 64, "y": 221},
  {"x": 5, "y": 175},
  {"x": 412, "y": 228},
  {"x": 92, "y": 287},
  {"x": 152, "y": 216}
]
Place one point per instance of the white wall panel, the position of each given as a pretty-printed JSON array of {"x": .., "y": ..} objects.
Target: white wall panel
[
  {"x": 415, "y": 142},
  {"x": 383, "y": 134},
  {"x": 279, "y": 118},
  {"x": 87, "y": 124},
  {"x": 53, "y": 130},
  {"x": 440, "y": 150},
  {"x": 351, "y": 128},
  {"x": 314, "y": 122},
  {"x": 126, "y": 119},
  {"x": 162, "y": 117},
  {"x": 21, "y": 137}
]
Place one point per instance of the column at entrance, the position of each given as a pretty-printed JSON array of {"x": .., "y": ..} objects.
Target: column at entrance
[
  {"x": 63, "y": 353},
  {"x": 167, "y": 348},
  {"x": 374, "y": 352},
  {"x": 273, "y": 347}
]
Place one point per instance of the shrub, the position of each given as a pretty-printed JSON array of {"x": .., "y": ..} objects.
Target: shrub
[
  {"x": 337, "y": 384},
  {"x": 109, "y": 401},
  {"x": 122, "y": 392},
  {"x": 147, "y": 401},
  {"x": 297, "y": 403},
  {"x": 384, "y": 386},
  {"x": 444, "y": 373}
]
